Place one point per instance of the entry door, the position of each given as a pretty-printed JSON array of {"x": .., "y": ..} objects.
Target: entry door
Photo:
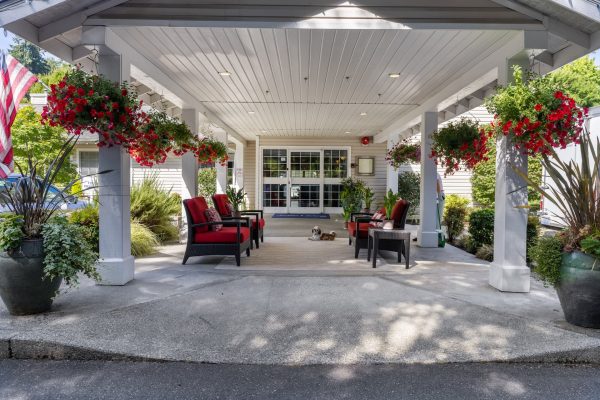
[{"x": 305, "y": 181}]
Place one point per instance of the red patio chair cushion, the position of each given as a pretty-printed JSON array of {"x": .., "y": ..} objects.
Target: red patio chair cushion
[
  {"x": 197, "y": 207},
  {"x": 261, "y": 222},
  {"x": 221, "y": 201},
  {"x": 398, "y": 211},
  {"x": 364, "y": 229},
  {"x": 226, "y": 235}
]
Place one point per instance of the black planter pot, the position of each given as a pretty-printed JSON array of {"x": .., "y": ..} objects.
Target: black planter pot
[
  {"x": 22, "y": 286},
  {"x": 579, "y": 289}
]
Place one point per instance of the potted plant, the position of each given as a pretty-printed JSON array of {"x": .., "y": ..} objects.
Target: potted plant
[
  {"x": 237, "y": 199},
  {"x": 389, "y": 201},
  {"x": 37, "y": 248},
  {"x": 368, "y": 196},
  {"x": 570, "y": 261},
  {"x": 351, "y": 197},
  {"x": 460, "y": 143},
  {"x": 404, "y": 152}
]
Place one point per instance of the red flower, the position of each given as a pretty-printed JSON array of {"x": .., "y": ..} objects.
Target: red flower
[{"x": 538, "y": 107}]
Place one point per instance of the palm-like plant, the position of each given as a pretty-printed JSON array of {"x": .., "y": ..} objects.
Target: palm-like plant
[
  {"x": 236, "y": 197},
  {"x": 576, "y": 190}
]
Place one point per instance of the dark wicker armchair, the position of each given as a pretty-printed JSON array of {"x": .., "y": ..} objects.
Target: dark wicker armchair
[{"x": 257, "y": 220}]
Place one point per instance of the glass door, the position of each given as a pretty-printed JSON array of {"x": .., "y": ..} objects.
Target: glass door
[{"x": 305, "y": 181}]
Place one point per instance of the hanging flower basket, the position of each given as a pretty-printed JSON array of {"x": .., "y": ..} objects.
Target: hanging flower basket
[
  {"x": 460, "y": 144},
  {"x": 404, "y": 152},
  {"x": 536, "y": 114},
  {"x": 85, "y": 103}
]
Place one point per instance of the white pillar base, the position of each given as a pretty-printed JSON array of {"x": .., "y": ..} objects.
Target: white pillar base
[
  {"x": 427, "y": 239},
  {"x": 506, "y": 278},
  {"x": 116, "y": 271}
]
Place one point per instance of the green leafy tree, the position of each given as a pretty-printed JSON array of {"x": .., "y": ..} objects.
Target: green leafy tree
[
  {"x": 30, "y": 56},
  {"x": 58, "y": 72},
  {"x": 581, "y": 80},
  {"x": 29, "y": 136}
]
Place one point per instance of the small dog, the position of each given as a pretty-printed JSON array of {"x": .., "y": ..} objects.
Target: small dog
[
  {"x": 328, "y": 236},
  {"x": 316, "y": 233}
]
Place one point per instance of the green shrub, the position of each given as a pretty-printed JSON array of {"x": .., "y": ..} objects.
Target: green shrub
[
  {"x": 533, "y": 233},
  {"x": 409, "y": 188},
  {"x": 455, "y": 213},
  {"x": 466, "y": 243},
  {"x": 546, "y": 255},
  {"x": 154, "y": 207},
  {"x": 207, "y": 182},
  {"x": 485, "y": 252},
  {"x": 88, "y": 219},
  {"x": 351, "y": 196},
  {"x": 481, "y": 226},
  {"x": 143, "y": 240}
]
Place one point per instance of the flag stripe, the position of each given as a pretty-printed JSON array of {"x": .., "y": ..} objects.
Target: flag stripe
[{"x": 16, "y": 81}]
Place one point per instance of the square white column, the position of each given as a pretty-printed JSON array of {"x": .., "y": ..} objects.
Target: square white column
[
  {"x": 427, "y": 235},
  {"x": 392, "y": 173},
  {"x": 116, "y": 266},
  {"x": 509, "y": 271},
  {"x": 189, "y": 163},
  {"x": 221, "y": 169}
]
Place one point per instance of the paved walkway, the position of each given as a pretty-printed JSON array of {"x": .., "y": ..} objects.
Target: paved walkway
[{"x": 441, "y": 310}]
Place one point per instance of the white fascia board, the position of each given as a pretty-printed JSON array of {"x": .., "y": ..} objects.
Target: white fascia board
[
  {"x": 26, "y": 9},
  {"x": 29, "y": 32},
  {"x": 485, "y": 73},
  {"x": 582, "y": 7},
  {"x": 151, "y": 75}
]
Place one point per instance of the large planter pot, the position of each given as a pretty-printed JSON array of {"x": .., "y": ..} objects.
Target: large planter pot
[
  {"x": 22, "y": 285},
  {"x": 579, "y": 289}
]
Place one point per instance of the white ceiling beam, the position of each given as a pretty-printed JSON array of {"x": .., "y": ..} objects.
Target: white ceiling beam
[
  {"x": 478, "y": 76},
  {"x": 25, "y": 9},
  {"x": 73, "y": 21},
  {"x": 29, "y": 32},
  {"x": 582, "y": 7}
]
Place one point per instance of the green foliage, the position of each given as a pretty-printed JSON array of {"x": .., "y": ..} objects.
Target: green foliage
[
  {"x": 87, "y": 218},
  {"x": 591, "y": 246},
  {"x": 389, "y": 201},
  {"x": 143, "y": 240},
  {"x": 533, "y": 233},
  {"x": 455, "y": 213},
  {"x": 460, "y": 143},
  {"x": 154, "y": 206},
  {"x": 409, "y": 188},
  {"x": 483, "y": 179},
  {"x": 236, "y": 197},
  {"x": 580, "y": 80},
  {"x": 31, "y": 56},
  {"x": 485, "y": 252},
  {"x": 67, "y": 253},
  {"x": 351, "y": 196},
  {"x": 40, "y": 142},
  {"x": 368, "y": 196},
  {"x": 207, "y": 182},
  {"x": 547, "y": 257},
  {"x": 56, "y": 74},
  {"x": 11, "y": 232},
  {"x": 481, "y": 226}
]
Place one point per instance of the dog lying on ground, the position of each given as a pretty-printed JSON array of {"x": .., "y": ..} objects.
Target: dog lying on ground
[{"x": 317, "y": 234}]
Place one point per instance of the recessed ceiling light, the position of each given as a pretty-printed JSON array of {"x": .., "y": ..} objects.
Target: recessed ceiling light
[
  {"x": 225, "y": 73},
  {"x": 347, "y": 132},
  {"x": 263, "y": 131},
  {"x": 394, "y": 75},
  {"x": 363, "y": 114},
  {"x": 251, "y": 112}
]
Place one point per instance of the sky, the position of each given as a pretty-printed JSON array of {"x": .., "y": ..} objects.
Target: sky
[{"x": 6, "y": 39}]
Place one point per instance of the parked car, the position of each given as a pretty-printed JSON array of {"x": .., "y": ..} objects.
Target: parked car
[{"x": 69, "y": 202}]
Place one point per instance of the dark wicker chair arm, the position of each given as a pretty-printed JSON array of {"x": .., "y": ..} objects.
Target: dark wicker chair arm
[
  {"x": 244, "y": 221},
  {"x": 254, "y": 211},
  {"x": 353, "y": 215}
]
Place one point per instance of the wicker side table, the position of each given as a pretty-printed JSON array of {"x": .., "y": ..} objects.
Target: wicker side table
[{"x": 395, "y": 240}]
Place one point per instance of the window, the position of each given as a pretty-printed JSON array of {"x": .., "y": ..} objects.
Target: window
[
  {"x": 335, "y": 163},
  {"x": 305, "y": 196},
  {"x": 274, "y": 163},
  {"x": 230, "y": 173},
  {"x": 274, "y": 195},
  {"x": 305, "y": 164},
  {"x": 88, "y": 162},
  {"x": 331, "y": 195}
]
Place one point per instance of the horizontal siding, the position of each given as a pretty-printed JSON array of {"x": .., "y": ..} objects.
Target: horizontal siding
[
  {"x": 377, "y": 182},
  {"x": 168, "y": 173},
  {"x": 459, "y": 183},
  {"x": 250, "y": 173}
]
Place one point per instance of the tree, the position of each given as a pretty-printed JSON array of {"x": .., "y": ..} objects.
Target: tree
[
  {"x": 59, "y": 70},
  {"x": 30, "y": 56},
  {"x": 42, "y": 142},
  {"x": 581, "y": 80}
]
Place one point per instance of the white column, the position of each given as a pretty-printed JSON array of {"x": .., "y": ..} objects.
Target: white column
[
  {"x": 116, "y": 266},
  {"x": 427, "y": 234},
  {"x": 221, "y": 169},
  {"x": 392, "y": 173},
  {"x": 189, "y": 164},
  {"x": 509, "y": 271},
  {"x": 238, "y": 165}
]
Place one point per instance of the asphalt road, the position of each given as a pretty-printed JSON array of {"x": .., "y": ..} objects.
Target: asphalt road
[{"x": 24, "y": 380}]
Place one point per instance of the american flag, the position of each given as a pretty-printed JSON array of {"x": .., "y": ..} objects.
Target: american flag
[{"x": 16, "y": 81}]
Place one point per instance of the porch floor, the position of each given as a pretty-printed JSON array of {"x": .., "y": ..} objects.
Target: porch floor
[{"x": 290, "y": 304}]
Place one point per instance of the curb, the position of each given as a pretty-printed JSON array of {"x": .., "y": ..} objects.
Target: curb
[{"x": 23, "y": 349}]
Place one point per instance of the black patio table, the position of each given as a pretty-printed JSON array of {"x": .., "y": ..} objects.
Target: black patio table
[{"x": 400, "y": 236}]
